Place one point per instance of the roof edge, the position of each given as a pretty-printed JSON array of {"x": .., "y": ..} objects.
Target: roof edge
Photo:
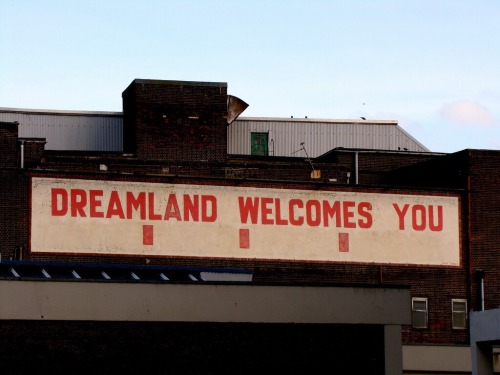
[
  {"x": 62, "y": 112},
  {"x": 309, "y": 119},
  {"x": 176, "y": 82}
]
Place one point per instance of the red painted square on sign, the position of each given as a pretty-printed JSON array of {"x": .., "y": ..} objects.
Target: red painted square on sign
[
  {"x": 244, "y": 238},
  {"x": 147, "y": 234},
  {"x": 344, "y": 242}
]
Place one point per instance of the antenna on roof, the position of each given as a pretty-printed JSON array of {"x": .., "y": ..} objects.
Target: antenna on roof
[{"x": 307, "y": 156}]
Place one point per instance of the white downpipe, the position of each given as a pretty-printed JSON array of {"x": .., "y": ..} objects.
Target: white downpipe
[
  {"x": 482, "y": 294},
  {"x": 356, "y": 167},
  {"x": 22, "y": 155}
]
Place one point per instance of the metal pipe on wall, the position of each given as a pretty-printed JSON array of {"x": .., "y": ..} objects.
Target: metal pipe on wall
[
  {"x": 356, "y": 154},
  {"x": 482, "y": 294},
  {"x": 479, "y": 276},
  {"x": 22, "y": 155}
]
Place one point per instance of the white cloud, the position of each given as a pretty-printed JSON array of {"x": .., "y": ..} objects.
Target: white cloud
[{"x": 467, "y": 112}]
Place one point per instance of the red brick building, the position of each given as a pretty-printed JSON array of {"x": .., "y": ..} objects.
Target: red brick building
[{"x": 421, "y": 221}]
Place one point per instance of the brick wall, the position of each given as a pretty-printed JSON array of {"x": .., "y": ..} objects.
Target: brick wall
[
  {"x": 13, "y": 195},
  {"x": 8, "y": 144},
  {"x": 171, "y": 120},
  {"x": 14, "y": 214},
  {"x": 484, "y": 200},
  {"x": 33, "y": 152}
]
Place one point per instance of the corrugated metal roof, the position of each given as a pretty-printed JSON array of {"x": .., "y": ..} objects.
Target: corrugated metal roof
[
  {"x": 319, "y": 136},
  {"x": 69, "y": 130},
  {"x": 103, "y": 131}
]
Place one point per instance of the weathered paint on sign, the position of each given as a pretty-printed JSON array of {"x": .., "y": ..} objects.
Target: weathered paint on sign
[{"x": 134, "y": 218}]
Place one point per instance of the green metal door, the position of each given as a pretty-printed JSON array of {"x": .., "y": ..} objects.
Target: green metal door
[{"x": 259, "y": 144}]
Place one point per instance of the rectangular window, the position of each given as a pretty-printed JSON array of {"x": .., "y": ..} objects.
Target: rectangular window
[
  {"x": 259, "y": 145},
  {"x": 459, "y": 313},
  {"x": 419, "y": 312}
]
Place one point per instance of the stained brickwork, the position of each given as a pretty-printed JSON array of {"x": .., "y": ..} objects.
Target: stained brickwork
[
  {"x": 484, "y": 225},
  {"x": 8, "y": 144},
  {"x": 13, "y": 195},
  {"x": 172, "y": 120},
  {"x": 14, "y": 213},
  {"x": 33, "y": 151}
]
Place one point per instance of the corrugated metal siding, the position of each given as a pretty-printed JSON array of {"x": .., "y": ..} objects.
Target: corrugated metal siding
[
  {"x": 103, "y": 131},
  {"x": 64, "y": 130},
  {"x": 319, "y": 136}
]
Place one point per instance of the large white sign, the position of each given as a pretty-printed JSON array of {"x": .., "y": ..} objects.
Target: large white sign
[{"x": 78, "y": 216}]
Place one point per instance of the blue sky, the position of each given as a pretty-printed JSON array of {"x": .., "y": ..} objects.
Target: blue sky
[{"x": 432, "y": 65}]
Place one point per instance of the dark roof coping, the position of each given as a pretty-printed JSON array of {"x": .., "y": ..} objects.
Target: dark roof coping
[
  {"x": 181, "y": 83},
  {"x": 107, "y": 272}
]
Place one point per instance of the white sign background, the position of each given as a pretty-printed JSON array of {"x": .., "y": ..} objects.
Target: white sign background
[{"x": 383, "y": 242}]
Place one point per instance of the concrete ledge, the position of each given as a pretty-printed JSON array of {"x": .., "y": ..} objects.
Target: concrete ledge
[
  {"x": 436, "y": 358},
  {"x": 56, "y": 300}
]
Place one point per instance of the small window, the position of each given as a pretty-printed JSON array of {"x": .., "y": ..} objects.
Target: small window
[
  {"x": 419, "y": 312},
  {"x": 459, "y": 313},
  {"x": 259, "y": 144}
]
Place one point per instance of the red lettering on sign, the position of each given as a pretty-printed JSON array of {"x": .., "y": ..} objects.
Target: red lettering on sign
[
  {"x": 348, "y": 214},
  {"x": 78, "y": 202},
  {"x": 136, "y": 203},
  {"x": 367, "y": 219},
  {"x": 254, "y": 210},
  {"x": 401, "y": 214},
  {"x": 115, "y": 206},
  {"x": 418, "y": 217},
  {"x": 151, "y": 208},
  {"x": 208, "y": 208},
  {"x": 191, "y": 208},
  {"x": 95, "y": 203},
  {"x": 436, "y": 227},
  {"x": 422, "y": 217},
  {"x": 313, "y": 213},
  {"x": 59, "y": 202},
  {"x": 172, "y": 209},
  {"x": 279, "y": 219},
  {"x": 248, "y": 208},
  {"x": 331, "y": 211},
  {"x": 269, "y": 211},
  {"x": 294, "y": 220},
  {"x": 266, "y": 210}
]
